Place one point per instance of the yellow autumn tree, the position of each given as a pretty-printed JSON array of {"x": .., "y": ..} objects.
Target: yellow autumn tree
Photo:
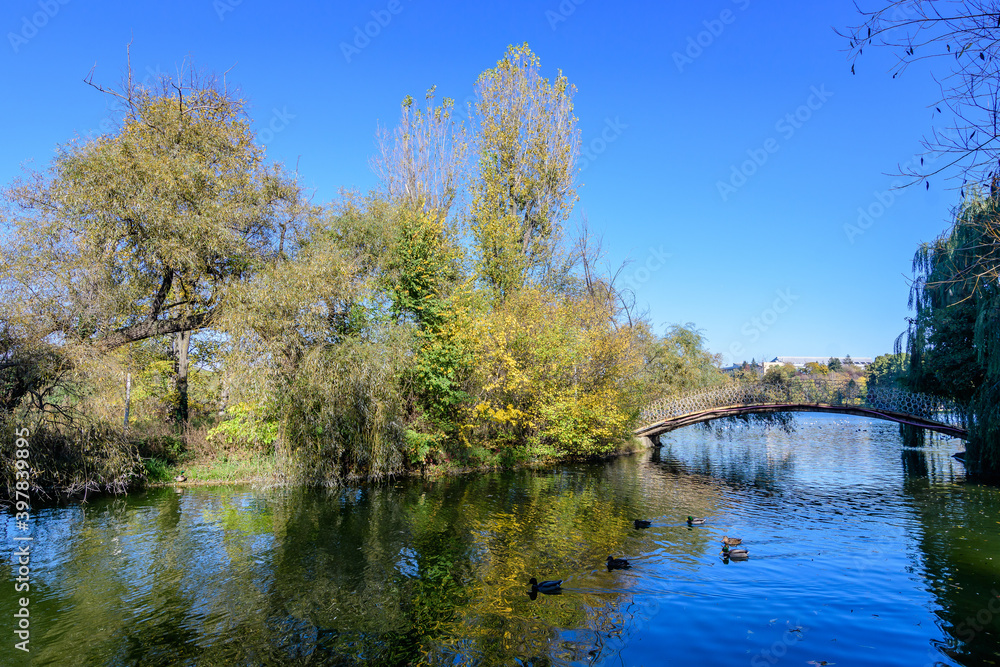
[
  {"x": 554, "y": 375},
  {"x": 526, "y": 142}
]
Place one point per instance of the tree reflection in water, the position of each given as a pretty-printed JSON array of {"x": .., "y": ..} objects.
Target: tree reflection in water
[{"x": 435, "y": 572}]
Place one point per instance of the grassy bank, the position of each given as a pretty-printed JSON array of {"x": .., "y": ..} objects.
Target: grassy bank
[
  {"x": 223, "y": 468},
  {"x": 83, "y": 463}
]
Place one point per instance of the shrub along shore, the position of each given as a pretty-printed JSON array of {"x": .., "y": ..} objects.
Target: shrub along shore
[{"x": 184, "y": 305}]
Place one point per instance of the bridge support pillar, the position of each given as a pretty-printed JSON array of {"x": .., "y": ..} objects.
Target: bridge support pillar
[{"x": 647, "y": 442}]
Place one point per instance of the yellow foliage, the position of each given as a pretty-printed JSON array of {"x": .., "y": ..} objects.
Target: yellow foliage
[
  {"x": 524, "y": 188},
  {"x": 552, "y": 371}
]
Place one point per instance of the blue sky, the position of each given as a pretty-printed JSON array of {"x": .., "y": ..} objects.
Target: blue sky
[{"x": 731, "y": 150}]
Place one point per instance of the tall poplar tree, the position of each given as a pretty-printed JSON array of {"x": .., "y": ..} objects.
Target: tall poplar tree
[{"x": 526, "y": 144}]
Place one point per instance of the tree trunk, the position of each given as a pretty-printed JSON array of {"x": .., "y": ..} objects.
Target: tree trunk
[
  {"x": 128, "y": 397},
  {"x": 181, "y": 344}
]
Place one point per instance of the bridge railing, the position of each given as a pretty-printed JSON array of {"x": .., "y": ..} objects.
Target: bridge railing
[
  {"x": 806, "y": 391},
  {"x": 925, "y": 406}
]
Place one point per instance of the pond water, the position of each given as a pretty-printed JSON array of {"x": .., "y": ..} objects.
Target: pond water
[{"x": 861, "y": 552}]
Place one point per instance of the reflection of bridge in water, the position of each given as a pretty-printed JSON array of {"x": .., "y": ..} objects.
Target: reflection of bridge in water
[{"x": 922, "y": 410}]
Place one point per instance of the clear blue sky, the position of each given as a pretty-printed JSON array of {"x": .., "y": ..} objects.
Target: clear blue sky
[{"x": 764, "y": 267}]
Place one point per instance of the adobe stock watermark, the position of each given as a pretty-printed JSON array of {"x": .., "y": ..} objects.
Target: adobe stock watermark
[
  {"x": 591, "y": 150},
  {"x": 756, "y": 326},
  {"x": 786, "y": 126},
  {"x": 867, "y": 215},
  {"x": 966, "y": 630},
  {"x": 562, "y": 12},
  {"x": 898, "y": 21},
  {"x": 884, "y": 199},
  {"x": 714, "y": 28},
  {"x": 280, "y": 119},
  {"x": 108, "y": 124},
  {"x": 776, "y": 651},
  {"x": 30, "y": 25},
  {"x": 223, "y": 7},
  {"x": 372, "y": 29},
  {"x": 656, "y": 259},
  {"x": 22, "y": 556},
  {"x": 638, "y": 615}
]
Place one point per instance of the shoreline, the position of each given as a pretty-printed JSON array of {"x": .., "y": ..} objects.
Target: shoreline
[
  {"x": 426, "y": 472},
  {"x": 194, "y": 469}
]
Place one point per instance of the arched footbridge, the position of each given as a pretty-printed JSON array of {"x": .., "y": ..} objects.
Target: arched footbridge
[{"x": 922, "y": 410}]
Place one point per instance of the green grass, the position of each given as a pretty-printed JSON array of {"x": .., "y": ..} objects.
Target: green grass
[
  {"x": 220, "y": 469},
  {"x": 158, "y": 470}
]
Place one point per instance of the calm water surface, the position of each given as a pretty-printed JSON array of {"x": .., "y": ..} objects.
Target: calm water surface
[{"x": 862, "y": 552}]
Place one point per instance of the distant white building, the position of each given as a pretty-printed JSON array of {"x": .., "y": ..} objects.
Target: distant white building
[{"x": 800, "y": 362}]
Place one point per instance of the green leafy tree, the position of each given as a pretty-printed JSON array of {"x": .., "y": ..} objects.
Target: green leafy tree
[
  {"x": 423, "y": 168},
  {"x": 834, "y": 364},
  {"x": 779, "y": 375},
  {"x": 678, "y": 362},
  {"x": 954, "y": 339},
  {"x": 888, "y": 370},
  {"x": 315, "y": 360},
  {"x": 944, "y": 356},
  {"x": 422, "y": 273},
  {"x": 813, "y": 368},
  {"x": 137, "y": 234}
]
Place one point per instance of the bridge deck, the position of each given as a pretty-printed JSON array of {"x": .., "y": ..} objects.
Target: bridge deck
[{"x": 654, "y": 429}]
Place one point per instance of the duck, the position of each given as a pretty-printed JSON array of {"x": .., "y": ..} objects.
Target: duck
[
  {"x": 181, "y": 477},
  {"x": 731, "y": 541},
  {"x": 549, "y": 586},
  {"x": 734, "y": 554},
  {"x": 642, "y": 523},
  {"x": 618, "y": 564},
  {"x": 695, "y": 522}
]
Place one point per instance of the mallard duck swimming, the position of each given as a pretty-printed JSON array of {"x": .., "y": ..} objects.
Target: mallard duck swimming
[
  {"x": 545, "y": 586},
  {"x": 618, "y": 564},
  {"x": 695, "y": 522},
  {"x": 642, "y": 523},
  {"x": 734, "y": 554},
  {"x": 731, "y": 541}
]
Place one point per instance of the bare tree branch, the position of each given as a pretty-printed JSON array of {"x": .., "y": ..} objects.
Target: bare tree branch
[{"x": 965, "y": 34}]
